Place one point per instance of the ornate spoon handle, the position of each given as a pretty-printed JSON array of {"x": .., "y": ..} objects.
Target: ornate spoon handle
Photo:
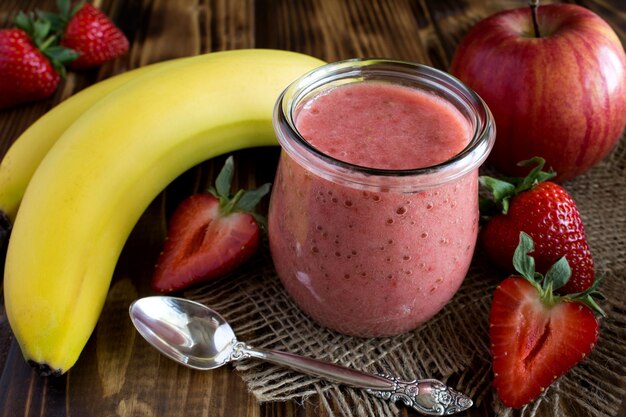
[{"x": 427, "y": 396}]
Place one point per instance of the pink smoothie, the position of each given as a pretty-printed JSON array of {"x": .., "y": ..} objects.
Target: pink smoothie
[{"x": 374, "y": 262}]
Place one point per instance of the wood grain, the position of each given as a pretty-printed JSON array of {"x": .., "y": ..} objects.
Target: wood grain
[{"x": 118, "y": 374}]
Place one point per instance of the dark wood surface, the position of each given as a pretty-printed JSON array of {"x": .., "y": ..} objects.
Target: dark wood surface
[{"x": 118, "y": 374}]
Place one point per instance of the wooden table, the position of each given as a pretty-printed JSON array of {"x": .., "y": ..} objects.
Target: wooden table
[{"x": 102, "y": 382}]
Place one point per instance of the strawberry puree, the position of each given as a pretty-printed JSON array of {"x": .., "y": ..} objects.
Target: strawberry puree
[
  {"x": 374, "y": 262},
  {"x": 383, "y": 126}
]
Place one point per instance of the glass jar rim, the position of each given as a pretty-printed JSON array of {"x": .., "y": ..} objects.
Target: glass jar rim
[{"x": 363, "y": 69}]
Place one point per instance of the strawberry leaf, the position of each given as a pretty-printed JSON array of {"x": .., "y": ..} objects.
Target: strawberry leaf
[
  {"x": 37, "y": 28},
  {"x": 251, "y": 198},
  {"x": 224, "y": 179},
  {"x": 41, "y": 28},
  {"x": 535, "y": 176},
  {"x": 64, "y": 7},
  {"x": 598, "y": 296},
  {"x": 502, "y": 191},
  {"x": 66, "y": 10},
  {"x": 523, "y": 263},
  {"x": 57, "y": 22},
  {"x": 593, "y": 305},
  {"x": 24, "y": 22},
  {"x": 590, "y": 295},
  {"x": 59, "y": 56},
  {"x": 42, "y": 31},
  {"x": 558, "y": 274}
]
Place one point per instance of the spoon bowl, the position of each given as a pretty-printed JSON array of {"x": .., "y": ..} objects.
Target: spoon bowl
[
  {"x": 192, "y": 334},
  {"x": 184, "y": 330}
]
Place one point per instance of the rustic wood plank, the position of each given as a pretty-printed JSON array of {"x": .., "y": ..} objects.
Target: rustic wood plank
[{"x": 118, "y": 373}]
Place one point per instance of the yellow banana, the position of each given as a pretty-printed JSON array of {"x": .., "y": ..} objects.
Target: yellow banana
[
  {"x": 96, "y": 181},
  {"x": 25, "y": 154}
]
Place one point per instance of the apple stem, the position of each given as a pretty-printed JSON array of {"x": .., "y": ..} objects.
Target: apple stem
[{"x": 534, "y": 5}]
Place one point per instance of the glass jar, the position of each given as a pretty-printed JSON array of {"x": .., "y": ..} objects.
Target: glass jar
[{"x": 377, "y": 251}]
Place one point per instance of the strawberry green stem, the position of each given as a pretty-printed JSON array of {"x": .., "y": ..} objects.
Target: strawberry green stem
[
  {"x": 47, "y": 42},
  {"x": 231, "y": 204},
  {"x": 548, "y": 296}
]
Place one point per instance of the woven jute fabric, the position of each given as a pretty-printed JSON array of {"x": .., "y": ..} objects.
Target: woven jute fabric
[{"x": 454, "y": 345}]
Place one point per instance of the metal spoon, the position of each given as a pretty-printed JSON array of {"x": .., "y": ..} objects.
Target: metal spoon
[{"x": 196, "y": 336}]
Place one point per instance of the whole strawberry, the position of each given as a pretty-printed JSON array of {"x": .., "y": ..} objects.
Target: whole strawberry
[
  {"x": 25, "y": 73},
  {"x": 93, "y": 35},
  {"x": 546, "y": 212},
  {"x": 537, "y": 336}
]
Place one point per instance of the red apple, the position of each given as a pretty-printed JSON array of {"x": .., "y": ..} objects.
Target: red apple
[{"x": 561, "y": 96}]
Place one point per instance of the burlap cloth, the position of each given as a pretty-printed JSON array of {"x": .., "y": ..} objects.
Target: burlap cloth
[{"x": 454, "y": 345}]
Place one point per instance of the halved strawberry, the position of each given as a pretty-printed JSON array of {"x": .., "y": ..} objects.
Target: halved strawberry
[
  {"x": 535, "y": 335},
  {"x": 209, "y": 235}
]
